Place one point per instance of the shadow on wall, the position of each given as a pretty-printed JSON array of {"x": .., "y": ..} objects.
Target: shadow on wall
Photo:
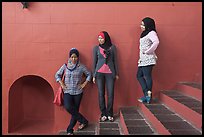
[{"x": 30, "y": 106}]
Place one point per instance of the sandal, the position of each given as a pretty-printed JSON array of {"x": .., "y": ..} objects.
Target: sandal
[
  {"x": 82, "y": 126},
  {"x": 103, "y": 118},
  {"x": 70, "y": 133},
  {"x": 110, "y": 119}
]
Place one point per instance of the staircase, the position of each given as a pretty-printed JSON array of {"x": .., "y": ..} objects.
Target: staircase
[{"x": 177, "y": 112}]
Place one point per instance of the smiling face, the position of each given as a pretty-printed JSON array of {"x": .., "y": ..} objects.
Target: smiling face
[
  {"x": 74, "y": 58},
  {"x": 142, "y": 26},
  {"x": 101, "y": 40}
]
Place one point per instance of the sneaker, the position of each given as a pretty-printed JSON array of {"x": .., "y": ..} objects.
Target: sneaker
[
  {"x": 110, "y": 119},
  {"x": 70, "y": 133},
  {"x": 103, "y": 118},
  {"x": 82, "y": 126},
  {"x": 142, "y": 99}
]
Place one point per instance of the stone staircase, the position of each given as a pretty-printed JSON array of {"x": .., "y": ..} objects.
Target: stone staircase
[
  {"x": 134, "y": 122},
  {"x": 176, "y": 112}
]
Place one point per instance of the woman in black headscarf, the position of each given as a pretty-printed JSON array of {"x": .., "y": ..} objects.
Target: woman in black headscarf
[
  {"x": 105, "y": 71},
  {"x": 73, "y": 86},
  {"x": 149, "y": 25},
  {"x": 147, "y": 58}
]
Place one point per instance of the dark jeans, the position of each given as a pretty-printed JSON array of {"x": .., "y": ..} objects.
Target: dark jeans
[
  {"x": 72, "y": 104},
  {"x": 144, "y": 76},
  {"x": 103, "y": 79}
]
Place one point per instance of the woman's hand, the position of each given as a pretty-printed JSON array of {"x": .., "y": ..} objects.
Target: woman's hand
[
  {"x": 143, "y": 51},
  {"x": 83, "y": 85},
  {"x": 94, "y": 80},
  {"x": 117, "y": 77},
  {"x": 62, "y": 84}
]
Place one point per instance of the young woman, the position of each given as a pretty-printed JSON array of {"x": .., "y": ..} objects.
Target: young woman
[
  {"x": 73, "y": 88},
  {"x": 147, "y": 58},
  {"x": 105, "y": 71}
]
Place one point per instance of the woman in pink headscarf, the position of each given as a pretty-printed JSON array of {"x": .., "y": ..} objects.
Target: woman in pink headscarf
[{"x": 105, "y": 71}]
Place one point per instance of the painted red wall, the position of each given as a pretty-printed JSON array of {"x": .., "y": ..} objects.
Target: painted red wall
[{"x": 37, "y": 41}]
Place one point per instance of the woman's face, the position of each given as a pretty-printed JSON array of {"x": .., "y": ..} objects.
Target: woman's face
[
  {"x": 101, "y": 40},
  {"x": 74, "y": 58},
  {"x": 142, "y": 26}
]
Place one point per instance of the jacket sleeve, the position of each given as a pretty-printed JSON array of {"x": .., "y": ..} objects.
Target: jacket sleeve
[
  {"x": 95, "y": 60},
  {"x": 115, "y": 60}
]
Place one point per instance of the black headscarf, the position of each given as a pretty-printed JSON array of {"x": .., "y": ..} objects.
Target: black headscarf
[
  {"x": 149, "y": 26},
  {"x": 70, "y": 65},
  {"x": 107, "y": 44},
  {"x": 75, "y": 51}
]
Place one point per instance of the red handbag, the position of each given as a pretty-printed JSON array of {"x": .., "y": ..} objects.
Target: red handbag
[{"x": 58, "y": 100}]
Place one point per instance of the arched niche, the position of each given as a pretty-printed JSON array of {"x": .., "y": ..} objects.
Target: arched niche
[{"x": 31, "y": 110}]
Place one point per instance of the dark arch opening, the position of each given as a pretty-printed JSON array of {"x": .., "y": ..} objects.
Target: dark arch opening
[{"x": 31, "y": 110}]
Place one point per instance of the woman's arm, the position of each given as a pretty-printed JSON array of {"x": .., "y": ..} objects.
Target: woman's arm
[
  {"x": 59, "y": 74},
  {"x": 88, "y": 77},
  {"x": 115, "y": 62},
  {"x": 155, "y": 42},
  {"x": 95, "y": 60}
]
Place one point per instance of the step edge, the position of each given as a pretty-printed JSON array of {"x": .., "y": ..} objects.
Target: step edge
[{"x": 196, "y": 123}]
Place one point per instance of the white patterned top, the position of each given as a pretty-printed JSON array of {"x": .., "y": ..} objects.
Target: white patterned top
[{"x": 148, "y": 45}]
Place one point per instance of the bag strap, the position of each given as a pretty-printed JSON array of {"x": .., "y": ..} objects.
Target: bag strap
[{"x": 63, "y": 76}]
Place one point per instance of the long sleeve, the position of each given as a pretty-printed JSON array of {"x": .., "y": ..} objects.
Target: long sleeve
[
  {"x": 95, "y": 59},
  {"x": 59, "y": 73},
  {"x": 155, "y": 42},
  {"x": 87, "y": 73},
  {"x": 115, "y": 60}
]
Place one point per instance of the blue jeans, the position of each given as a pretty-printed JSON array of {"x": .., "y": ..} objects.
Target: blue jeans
[
  {"x": 103, "y": 79},
  {"x": 144, "y": 76},
  {"x": 72, "y": 104}
]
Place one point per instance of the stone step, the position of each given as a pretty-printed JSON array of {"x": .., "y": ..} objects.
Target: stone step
[
  {"x": 100, "y": 128},
  {"x": 168, "y": 119},
  {"x": 109, "y": 128},
  {"x": 91, "y": 129},
  {"x": 172, "y": 121},
  {"x": 190, "y": 89},
  {"x": 192, "y": 84},
  {"x": 134, "y": 123},
  {"x": 186, "y": 106}
]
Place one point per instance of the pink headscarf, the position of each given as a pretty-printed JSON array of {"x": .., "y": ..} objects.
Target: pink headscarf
[{"x": 102, "y": 35}]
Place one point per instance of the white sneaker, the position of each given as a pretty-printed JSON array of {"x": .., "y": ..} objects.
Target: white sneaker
[
  {"x": 103, "y": 118},
  {"x": 110, "y": 118}
]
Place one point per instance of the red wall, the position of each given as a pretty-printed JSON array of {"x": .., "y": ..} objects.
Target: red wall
[{"x": 37, "y": 41}]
